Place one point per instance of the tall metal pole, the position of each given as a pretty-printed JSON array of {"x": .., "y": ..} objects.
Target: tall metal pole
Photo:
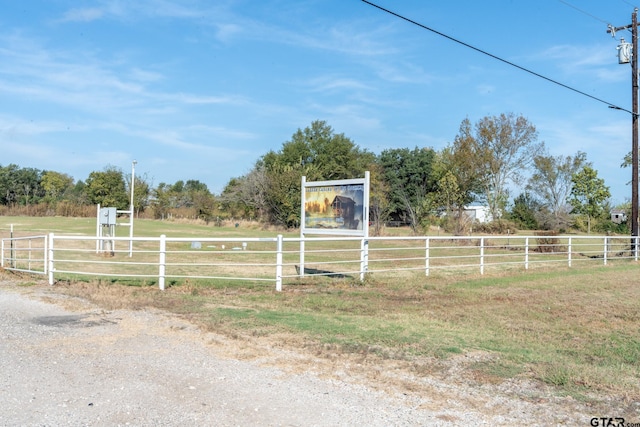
[{"x": 634, "y": 139}]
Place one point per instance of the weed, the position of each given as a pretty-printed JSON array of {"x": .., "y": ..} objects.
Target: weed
[{"x": 556, "y": 375}]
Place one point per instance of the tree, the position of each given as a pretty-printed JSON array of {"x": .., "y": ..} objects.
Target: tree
[
  {"x": 246, "y": 195},
  {"x": 200, "y": 198},
  {"x": 192, "y": 195},
  {"x": 141, "y": 192},
  {"x": 28, "y": 185},
  {"x": 55, "y": 185},
  {"x": 552, "y": 183},
  {"x": 282, "y": 195},
  {"x": 379, "y": 205},
  {"x": 8, "y": 184},
  {"x": 272, "y": 187},
  {"x": 107, "y": 188},
  {"x": 333, "y": 154},
  {"x": 162, "y": 201},
  {"x": 458, "y": 177},
  {"x": 78, "y": 194},
  {"x": 178, "y": 195},
  {"x": 525, "y": 212},
  {"x": 19, "y": 185},
  {"x": 589, "y": 194},
  {"x": 409, "y": 175},
  {"x": 272, "y": 193},
  {"x": 193, "y": 190},
  {"x": 204, "y": 205},
  {"x": 505, "y": 147}
]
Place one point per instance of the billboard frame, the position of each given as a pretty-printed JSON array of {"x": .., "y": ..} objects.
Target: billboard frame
[{"x": 341, "y": 188}]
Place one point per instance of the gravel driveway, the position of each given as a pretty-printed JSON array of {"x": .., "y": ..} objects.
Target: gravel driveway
[{"x": 86, "y": 367}]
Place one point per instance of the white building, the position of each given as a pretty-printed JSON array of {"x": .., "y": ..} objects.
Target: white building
[
  {"x": 618, "y": 216},
  {"x": 478, "y": 213}
]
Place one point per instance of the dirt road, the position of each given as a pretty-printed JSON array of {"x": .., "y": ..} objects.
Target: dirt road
[{"x": 66, "y": 362}]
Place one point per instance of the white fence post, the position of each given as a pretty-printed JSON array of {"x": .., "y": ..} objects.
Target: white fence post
[
  {"x": 162, "y": 262},
  {"x": 279, "y": 264},
  {"x": 98, "y": 230},
  {"x": 50, "y": 259},
  {"x": 604, "y": 252},
  {"x": 526, "y": 253},
  {"x": 302, "y": 249},
  {"x": 426, "y": 257},
  {"x": 569, "y": 250},
  {"x": 482, "y": 255},
  {"x": 364, "y": 258},
  {"x": 45, "y": 255},
  {"x": 635, "y": 248},
  {"x": 12, "y": 254}
]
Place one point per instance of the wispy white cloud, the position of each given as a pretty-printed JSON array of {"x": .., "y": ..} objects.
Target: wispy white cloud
[
  {"x": 145, "y": 76},
  {"x": 484, "y": 89},
  {"x": 82, "y": 15},
  {"x": 89, "y": 83},
  {"x": 350, "y": 37},
  {"x": 599, "y": 60},
  {"x": 403, "y": 72},
  {"x": 187, "y": 98},
  {"x": 128, "y": 11},
  {"x": 335, "y": 83},
  {"x": 12, "y": 127},
  {"x": 166, "y": 8},
  {"x": 206, "y": 132},
  {"x": 226, "y": 31},
  {"x": 579, "y": 56}
]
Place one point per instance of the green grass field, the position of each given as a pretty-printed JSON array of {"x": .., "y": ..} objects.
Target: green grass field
[{"x": 575, "y": 330}]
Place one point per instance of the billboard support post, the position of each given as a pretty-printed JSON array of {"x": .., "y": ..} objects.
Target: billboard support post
[{"x": 302, "y": 218}]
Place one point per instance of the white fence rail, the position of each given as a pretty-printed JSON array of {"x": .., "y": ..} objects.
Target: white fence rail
[{"x": 278, "y": 259}]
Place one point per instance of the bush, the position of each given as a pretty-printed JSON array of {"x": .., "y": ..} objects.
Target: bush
[
  {"x": 611, "y": 227},
  {"x": 496, "y": 227},
  {"x": 548, "y": 242}
]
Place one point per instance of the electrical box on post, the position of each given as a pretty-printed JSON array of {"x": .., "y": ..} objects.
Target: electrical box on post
[
  {"x": 108, "y": 216},
  {"x": 625, "y": 50}
]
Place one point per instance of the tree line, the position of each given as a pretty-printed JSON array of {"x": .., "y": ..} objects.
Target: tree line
[{"x": 419, "y": 187}]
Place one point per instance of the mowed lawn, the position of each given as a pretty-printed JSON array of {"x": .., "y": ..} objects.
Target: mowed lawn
[{"x": 575, "y": 330}]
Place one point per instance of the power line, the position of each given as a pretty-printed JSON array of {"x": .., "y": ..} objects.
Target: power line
[
  {"x": 582, "y": 11},
  {"x": 630, "y": 4},
  {"x": 609, "y": 104},
  {"x": 613, "y": 32}
]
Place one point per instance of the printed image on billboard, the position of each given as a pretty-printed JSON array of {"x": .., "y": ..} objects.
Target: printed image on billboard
[{"x": 334, "y": 207}]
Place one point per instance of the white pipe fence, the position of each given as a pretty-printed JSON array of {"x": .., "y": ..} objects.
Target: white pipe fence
[
  {"x": 25, "y": 254},
  {"x": 278, "y": 259}
]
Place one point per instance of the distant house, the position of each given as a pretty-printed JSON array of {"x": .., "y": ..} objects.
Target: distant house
[
  {"x": 478, "y": 213},
  {"x": 618, "y": 216}
]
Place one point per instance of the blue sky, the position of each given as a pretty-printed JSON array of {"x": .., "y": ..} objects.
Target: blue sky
[{"x": 200, "y": 90}]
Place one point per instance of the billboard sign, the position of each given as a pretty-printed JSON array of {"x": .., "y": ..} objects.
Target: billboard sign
[{"x": 336, "y": 207}]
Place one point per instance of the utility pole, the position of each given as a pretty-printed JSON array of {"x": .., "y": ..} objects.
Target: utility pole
[{"x": 634, "y": 122}]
